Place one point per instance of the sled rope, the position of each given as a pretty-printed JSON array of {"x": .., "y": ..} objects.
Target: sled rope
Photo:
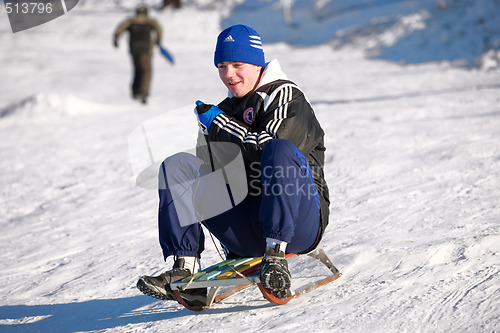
[
  {"x": 194, "y": 264},
  {"x": 200, "y": 218},
  {"x": 226, "y": 263},
  {"x": 220, "y": 255}
]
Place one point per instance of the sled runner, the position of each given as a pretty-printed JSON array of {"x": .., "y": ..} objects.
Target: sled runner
[{"x": 242, "y": 273}]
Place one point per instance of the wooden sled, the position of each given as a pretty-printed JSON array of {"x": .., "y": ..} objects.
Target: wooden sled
[{"x": 241, "y": 273}]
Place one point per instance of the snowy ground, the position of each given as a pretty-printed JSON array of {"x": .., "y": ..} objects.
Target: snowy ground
[{"x": 413, "y": 166}]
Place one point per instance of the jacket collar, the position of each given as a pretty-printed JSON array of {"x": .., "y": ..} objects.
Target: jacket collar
[{"x": 271, "y": 72}]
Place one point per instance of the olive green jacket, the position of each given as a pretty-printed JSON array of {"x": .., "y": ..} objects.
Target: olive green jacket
[{"x": 140, "y": 28}]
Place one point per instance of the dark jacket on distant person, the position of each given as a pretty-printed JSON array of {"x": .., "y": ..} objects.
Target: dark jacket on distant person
[{"x": 140, "y": 28}]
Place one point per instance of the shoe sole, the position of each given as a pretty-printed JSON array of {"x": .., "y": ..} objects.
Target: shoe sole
[
  {"x": 278, "y": 283},
  {"x": 150, "y": 291},
  {"x": 194, "y": 300}
]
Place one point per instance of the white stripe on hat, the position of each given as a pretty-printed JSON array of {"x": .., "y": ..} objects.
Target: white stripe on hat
[
  {"x": 255, "y": 39},
  {"x": 255, "y": 42}
]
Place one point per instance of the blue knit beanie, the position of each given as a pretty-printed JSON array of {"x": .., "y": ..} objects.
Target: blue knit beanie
[{"x": 239, "y": 43}]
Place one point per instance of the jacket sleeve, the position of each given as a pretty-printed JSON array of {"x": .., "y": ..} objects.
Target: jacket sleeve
[
  {"x": 122, "y": 27},
  {"x": 157, "y": 28},
  {"x": 285, "y": 113}
]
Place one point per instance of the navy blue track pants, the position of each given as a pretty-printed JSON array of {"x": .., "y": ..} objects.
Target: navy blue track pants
[{"x": 288, "y": 209}]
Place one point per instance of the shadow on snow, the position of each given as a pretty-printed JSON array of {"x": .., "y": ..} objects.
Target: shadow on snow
[
  {"x": 100, "y": 314},
  {"x": 85, "y": 316}
]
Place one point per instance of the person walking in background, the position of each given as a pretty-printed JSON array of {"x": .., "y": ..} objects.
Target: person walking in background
[{"x": 141, "y": 29}]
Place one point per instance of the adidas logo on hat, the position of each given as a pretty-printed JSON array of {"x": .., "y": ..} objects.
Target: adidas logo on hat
[{"x": 229, "y": 39}]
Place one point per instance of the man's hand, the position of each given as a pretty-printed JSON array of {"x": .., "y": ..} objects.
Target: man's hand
[{"x": 206, "y": 114}]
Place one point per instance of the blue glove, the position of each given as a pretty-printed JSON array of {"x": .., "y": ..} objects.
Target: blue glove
[{"x": 206, "y": 114}]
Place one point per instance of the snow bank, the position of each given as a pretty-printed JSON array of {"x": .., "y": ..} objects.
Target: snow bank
[{"x": 51, "y": 106}]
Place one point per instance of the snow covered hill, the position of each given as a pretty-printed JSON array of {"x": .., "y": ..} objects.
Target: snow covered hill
[{"x": 413, "y": 166}]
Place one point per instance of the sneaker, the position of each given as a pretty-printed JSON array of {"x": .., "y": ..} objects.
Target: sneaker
[
  {"x": 274, "y": 273},
  {"x": 159, "y": 286}
]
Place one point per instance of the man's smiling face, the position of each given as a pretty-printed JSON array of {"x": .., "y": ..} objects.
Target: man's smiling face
[{"x": 239, "y": 77}]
